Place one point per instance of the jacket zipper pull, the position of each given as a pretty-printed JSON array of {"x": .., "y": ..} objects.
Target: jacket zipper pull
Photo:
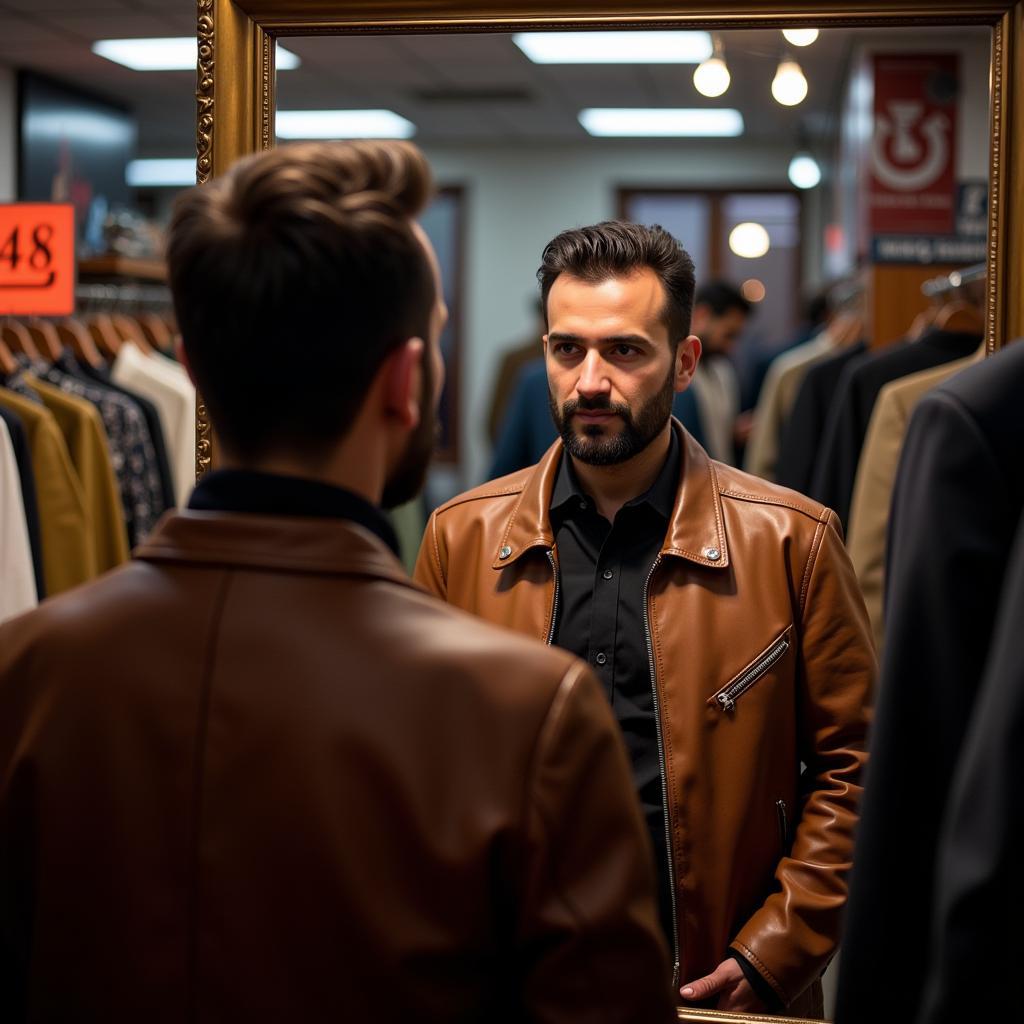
[{"x": 726, "y": 701}]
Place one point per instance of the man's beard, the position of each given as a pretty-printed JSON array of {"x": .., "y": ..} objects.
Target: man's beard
[
  {"x": 596, "y": 448},
  {"x": 407, "y": 478}
]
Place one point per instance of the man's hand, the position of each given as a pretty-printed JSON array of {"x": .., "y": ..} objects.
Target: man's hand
[{"x": 726, "y": 981}]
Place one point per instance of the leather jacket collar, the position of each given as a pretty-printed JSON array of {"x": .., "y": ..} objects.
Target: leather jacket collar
[{"x": 696, "y": 534}]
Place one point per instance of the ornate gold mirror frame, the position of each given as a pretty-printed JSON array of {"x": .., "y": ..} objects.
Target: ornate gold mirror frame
[{"x": 236, "y": 100}]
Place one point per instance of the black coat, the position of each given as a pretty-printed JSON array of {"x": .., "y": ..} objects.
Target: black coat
[
  {"x": 974, "y": 967},
  {"x": 957, "y": 500},
  {"x": 835, "y": 468}
]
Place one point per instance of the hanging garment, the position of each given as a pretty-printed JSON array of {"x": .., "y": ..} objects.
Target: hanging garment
[
  {"x": 149, "y": 413},
  {"x": 781, "y": 383},
  {"x": 82, "y": 428},
  {"x": 17, "y": 578},
  {"x": 166, "y": 385},
  {"x": 836, "y": 464},
  {"x": 956, "y": 504},
  {"x": 801, "y": 436},
  {"x": 69, "y": 552},
  {"x": 978, "y": 877},
  {"x": 876, "y": 475},
  {"x": 717, "y": 390},
  {"x": 23, "y": 458},
  {"x": 131, "y": 448}
]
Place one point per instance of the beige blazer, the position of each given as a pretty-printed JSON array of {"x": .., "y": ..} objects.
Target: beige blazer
[
  {"x": 876, "y": 476},
  {"x": 87, "y": 442}
]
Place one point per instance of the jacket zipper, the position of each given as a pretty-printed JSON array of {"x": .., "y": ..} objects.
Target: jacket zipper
[
  {"x": 780, "y": 807},
  {"x": 728, "y": 697},
  {"x": 664, "y": 781},
  {"x": 554, "y": 603}
]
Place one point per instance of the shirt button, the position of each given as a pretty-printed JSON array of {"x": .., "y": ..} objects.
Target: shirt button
[
  {"x": 607, "y": 574},
  {"x": 601, "y": 658}
]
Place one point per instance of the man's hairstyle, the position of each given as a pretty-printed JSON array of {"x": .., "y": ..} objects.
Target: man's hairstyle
[
  {"x": 721, "y": 297},
  {"x": 618, "y": 248},
  {"x": 294, "y": 276}
]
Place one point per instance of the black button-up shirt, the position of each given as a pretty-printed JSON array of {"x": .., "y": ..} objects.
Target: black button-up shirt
[{"x": 603, "y": 570}]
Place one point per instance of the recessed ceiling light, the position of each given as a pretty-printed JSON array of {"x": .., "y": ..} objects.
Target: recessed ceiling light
[
  {"x": 640, "y": 122},
  {"x": 343, "y": 124},
  {"x": 178, "y": 53},
  {"x": 614, "y": 47},
  {"x": 161, "y": 173}
]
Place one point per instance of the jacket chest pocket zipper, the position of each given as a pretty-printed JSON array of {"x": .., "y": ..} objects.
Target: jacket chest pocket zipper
[
  {"x": 780, "y": 808},
  {"x": 726, "y": 697}
]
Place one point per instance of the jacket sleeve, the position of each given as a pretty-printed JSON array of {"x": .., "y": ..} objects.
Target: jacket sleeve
[
  {"x": 792, "y": 937},
  {"x": 588, "y": 939},
  {"x": 429, "y": 572}
]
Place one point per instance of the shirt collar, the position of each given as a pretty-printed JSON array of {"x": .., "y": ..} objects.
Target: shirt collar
[
  {"x": 661, "y": 495},
  {"x": 271, "y": 494}
]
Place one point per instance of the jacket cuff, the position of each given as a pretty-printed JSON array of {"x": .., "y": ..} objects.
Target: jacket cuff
[
  {"x": 763, "y": 972},
  {"x": 761, "y": 986}
]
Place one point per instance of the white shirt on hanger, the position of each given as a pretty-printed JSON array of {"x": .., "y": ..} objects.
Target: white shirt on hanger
[
  {"x": 17, "y": 576},
  {"x": 167, "y": 386}
]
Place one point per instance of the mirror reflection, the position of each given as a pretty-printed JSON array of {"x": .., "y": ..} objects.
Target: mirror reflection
[{"x": 704, "y": 300}]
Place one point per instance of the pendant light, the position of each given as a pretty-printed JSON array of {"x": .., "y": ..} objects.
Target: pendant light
[
  {"x": 789, "y": 86},
  {"x": 711, "y": 77}
]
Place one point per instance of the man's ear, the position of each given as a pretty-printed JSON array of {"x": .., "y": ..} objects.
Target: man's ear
[
  {"x": 687, "y": 358},
  {"x": 402, "y": 382}
]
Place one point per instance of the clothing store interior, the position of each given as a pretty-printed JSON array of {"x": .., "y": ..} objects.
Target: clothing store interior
[{"x": 832, "y": 188}]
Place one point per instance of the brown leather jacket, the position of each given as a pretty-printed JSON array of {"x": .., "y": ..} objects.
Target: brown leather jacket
[
  {"x": 762, "y": 656},
  {"x": 259, "y": 775}
]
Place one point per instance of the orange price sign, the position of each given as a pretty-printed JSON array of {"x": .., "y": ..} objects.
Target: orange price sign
[{"x": 37, "y": 259}]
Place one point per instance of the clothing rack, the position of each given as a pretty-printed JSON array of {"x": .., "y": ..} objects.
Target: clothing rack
[
  {"x": 946, "y": 283},
  {"x": 123, "y": 297}
]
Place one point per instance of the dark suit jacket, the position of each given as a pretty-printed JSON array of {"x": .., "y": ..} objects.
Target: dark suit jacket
[
  {"x": 801, "y": 436},
  {"x": 958, "y": 497},
  {"x": 974, "y": 967},
  {"x": 862, "y": 380}
]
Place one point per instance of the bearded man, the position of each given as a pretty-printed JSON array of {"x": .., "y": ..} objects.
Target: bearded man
[{"x": 720, "y": 613}]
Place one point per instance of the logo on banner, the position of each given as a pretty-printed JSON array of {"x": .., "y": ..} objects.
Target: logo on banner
[{"x": 910, "y": 149}]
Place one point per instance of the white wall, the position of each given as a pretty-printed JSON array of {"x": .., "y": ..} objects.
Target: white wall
[
  {"x": 8, "y": 135},
  {"x": 518, "y": 198}
]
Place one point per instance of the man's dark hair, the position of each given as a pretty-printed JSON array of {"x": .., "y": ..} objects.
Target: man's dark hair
[
  {"x": 294, "y": 276},
  {"x": 618, "y": 248},
  {"x": 721, "y": 297}
]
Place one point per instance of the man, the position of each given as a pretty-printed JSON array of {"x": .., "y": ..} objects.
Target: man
[
  {"x": 720, "y": 613},
  {"x": 719, "y": 315},
  {"x": 258, "y": 775}
]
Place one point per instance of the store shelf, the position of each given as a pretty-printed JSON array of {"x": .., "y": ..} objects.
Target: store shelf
[{"x": 122, "y": 267}]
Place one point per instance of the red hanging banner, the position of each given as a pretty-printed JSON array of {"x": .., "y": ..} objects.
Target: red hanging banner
[{"x": 911, "y": 179}]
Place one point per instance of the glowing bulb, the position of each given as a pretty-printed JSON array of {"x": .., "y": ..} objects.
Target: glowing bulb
[
  {"x": 789, "y": 86},
  {"x": 753, "y": 290},
  {"x": 711, "y": 78},
  {"x": 749, "y": 240},
  {"x": 800, "y": 36},
  {"x": 804, "y": 171}
]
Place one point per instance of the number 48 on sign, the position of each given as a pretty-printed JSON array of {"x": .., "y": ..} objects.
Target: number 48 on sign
[{"x": 37, "y": 259}]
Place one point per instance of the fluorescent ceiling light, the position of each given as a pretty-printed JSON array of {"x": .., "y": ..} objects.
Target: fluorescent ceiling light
[
  {"x": 641, "y": 122},
  {"x": 343, "y": 124},
  {"x": 178, "y": 53},
  {"x": 614, "y": 47},
  {"x": 161, "y": 173}
]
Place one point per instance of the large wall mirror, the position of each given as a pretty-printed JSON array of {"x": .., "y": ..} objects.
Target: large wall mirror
[{"x": 761, "y": 150}]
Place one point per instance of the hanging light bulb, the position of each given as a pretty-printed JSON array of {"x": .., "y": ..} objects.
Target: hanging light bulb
[
  {"x": 804, "y": 171},
  {"x": 749, "y": 240},
  {"x": 800, "y": 36},
  {"x": 711, "y": 77},
  {"x": 789, "y": 86}
]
